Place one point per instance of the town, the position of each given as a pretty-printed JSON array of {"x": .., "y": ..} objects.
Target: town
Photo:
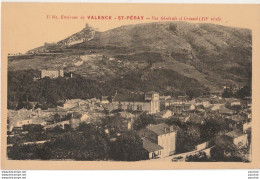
[{"x": 142, "y": 125}]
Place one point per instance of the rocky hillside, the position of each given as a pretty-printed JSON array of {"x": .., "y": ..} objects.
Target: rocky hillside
[{"x": 206, "y": 54}]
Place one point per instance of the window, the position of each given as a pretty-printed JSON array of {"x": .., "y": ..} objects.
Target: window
[
  {"x": 130, "y": 107},
  {"x": 139, "y": 107}
]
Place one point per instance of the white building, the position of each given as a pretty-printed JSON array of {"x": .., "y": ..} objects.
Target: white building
[
  {"x": 149, "y": 103},
  {"x": 52, "y": 73},
  {"x": 159, "y": 140}
]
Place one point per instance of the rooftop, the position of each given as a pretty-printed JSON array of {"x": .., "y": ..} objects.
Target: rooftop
[
  {"x": 234, "y": 134},
  {"x": 151, "y": 92},
  {"x": 150, "y": 146},
  {"x": 159, "y": 129},
  {"x": 129, "y": 97},
  {"x": 52, "y": 69},
  {"x": 232, "y": 100},
  {"x": 238, "y": 118},
  {"x": 226, "y": 110}
]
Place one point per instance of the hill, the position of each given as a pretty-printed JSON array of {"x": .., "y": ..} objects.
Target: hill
[{"x": 161, "y": 54}]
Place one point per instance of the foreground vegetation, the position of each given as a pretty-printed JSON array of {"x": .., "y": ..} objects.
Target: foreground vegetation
[{"x": 87, "y": 142}]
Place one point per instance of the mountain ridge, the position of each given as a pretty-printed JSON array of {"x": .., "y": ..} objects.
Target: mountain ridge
[{"x": 213, "y": 55}]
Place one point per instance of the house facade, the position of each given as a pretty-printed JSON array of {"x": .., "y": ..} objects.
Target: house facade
[
  {"x": 150, "y": 103},
  {"x": 159, "y": 140},
  {"x": 238, "y": 138},
  {"x": 52, "y": 73}
]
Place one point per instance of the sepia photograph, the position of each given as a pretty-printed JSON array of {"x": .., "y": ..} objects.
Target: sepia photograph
[{"x": 172, "y": 89}]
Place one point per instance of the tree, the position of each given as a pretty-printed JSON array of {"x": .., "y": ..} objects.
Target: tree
[
  {"x": 243, "y": 92},
  {"x": 199, "y": 157},
  {"x": 188, "y": 137},
  {"x": 174, "y": 121},
  {"x": 127, "y": 147},
  {"x": 57, "y": 129},
  {"x": 210, "y": 128},
  {"x": 86, "y": 143},
  {"x": 33, "y": 128},
  {"x": 142, "y": 121},
  {"x": 67, "y": 128},
  {"x": 68, "y": 117},
  {"x": 57, "y": 118},
  {"x": 226, "y": 150},
  {"x": 227, "y": 93},
  {"x": 23, "y": 152},
  {"x": 193, "y": 93}
]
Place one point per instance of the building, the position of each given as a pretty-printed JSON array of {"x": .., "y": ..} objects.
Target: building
[
  {"x": 163, "y": 98},
  {"x": 60, "y": 124},
  {"x": 154, "y": 150},
  {"x": 216, "y": 92},
  {"x": 247, "y": 126},
  {"x": 73, "y": 103},
  {"x": 203, "y": 102},
  {"x": 149, "y": 103},
  {"x": 166, "y": 114},
  {"x": 175, "y": 101},
  {"x": 203, "y": 145},
  {"x": 159, "y": 140},
  {"x": 23, "y": 122},
  {"x": 84, "y": 117},
  {"x": 231, "y": 102},
  {"x": 236, "y": 121},
  {"x": 104, "y": 100},
  {"x": 226, "y": 111},
  {"x": 179, "y": 108},
  {"x": 68, "y": 75},
  {"x": 74, "y": 123},
  {"x": 52, "y": 73},
  {"x": 216, "y": 107},
  {"x": 238, "y": 138}
]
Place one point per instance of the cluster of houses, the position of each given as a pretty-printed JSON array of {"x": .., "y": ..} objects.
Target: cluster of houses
[
  {"x": 72, "y": 113},
  {"x": 235, "y": 113},
  {"x": 159, "y": 140}
]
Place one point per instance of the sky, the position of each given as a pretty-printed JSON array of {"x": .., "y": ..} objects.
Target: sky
[{"x": 28, "y": 25}]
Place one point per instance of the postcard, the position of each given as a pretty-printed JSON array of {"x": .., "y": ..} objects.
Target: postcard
[{"x": 130, "y": 86}]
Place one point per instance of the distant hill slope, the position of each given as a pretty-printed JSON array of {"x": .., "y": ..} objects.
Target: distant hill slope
[{"x": 212, "y": 55}]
